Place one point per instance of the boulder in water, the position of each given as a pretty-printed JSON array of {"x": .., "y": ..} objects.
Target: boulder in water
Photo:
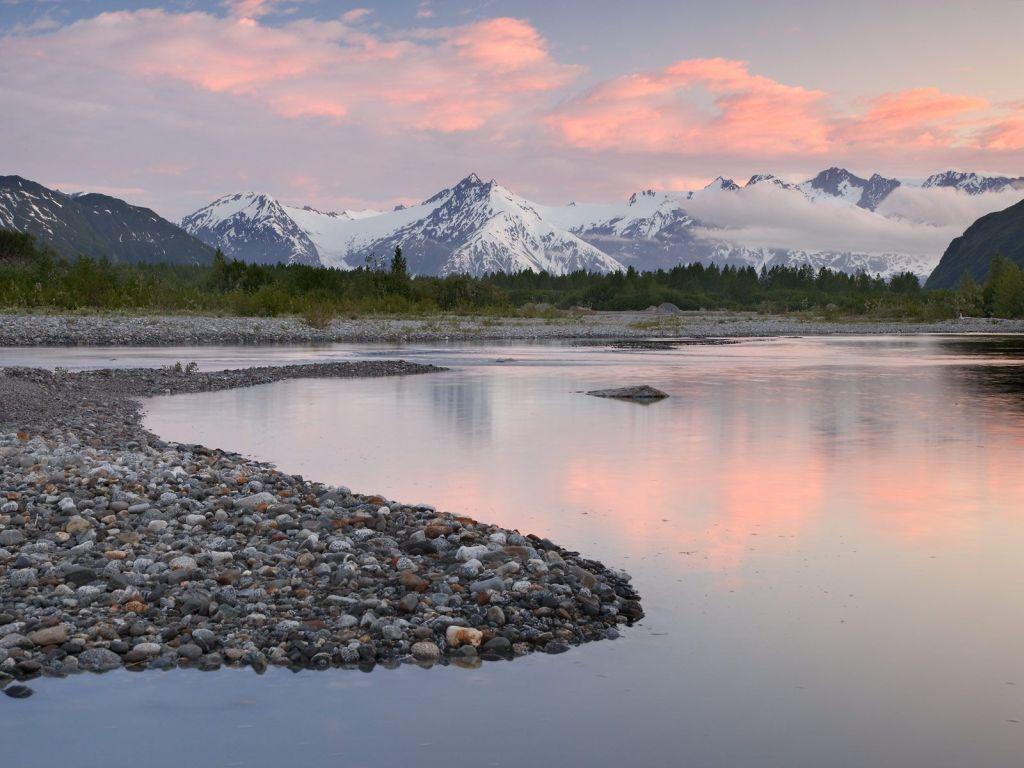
[{"x": 642, "y": 393}]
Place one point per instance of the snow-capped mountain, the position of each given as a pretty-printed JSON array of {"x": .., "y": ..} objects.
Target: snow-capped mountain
[
  {"x": 96, "y": 225},
  {"x": 722, "y": 183},
  {"x": 833, "y": 220},
  {"x": 474, "y": 227},
  {"x": 252, "y": 227},
  {"x": 477, "y": 227},
  {"x": 658, "y": 230},
  {"x": 973, "y": 183},
  {"x": 768, "y": 178},
  {"x": 840, "y": 184}
]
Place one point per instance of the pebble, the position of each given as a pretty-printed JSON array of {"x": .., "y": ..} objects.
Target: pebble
[
  {"x": 50, "y": 635},
  {"x": 98, "y": 660},
  {"x": 156, "y": 554},
  {"x": 426, "y": 651},
  {"x": 169, "y": 330}
]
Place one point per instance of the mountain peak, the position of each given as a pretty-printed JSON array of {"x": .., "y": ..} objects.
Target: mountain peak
[
  {"x": 721, "y": 182},
  {"x": 973, "y": 183},
  {"x": 636, "y": 196},
  {"x": 767, "y": 178},
  {"x": 252, "y": 226}
]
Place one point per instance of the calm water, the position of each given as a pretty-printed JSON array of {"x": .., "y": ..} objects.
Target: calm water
[{"x": 827, "y": 536}]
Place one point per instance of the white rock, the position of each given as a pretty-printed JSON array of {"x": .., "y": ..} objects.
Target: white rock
[
  {"x": 219, "y": 558},
  {"x": 465, "y": 554}
]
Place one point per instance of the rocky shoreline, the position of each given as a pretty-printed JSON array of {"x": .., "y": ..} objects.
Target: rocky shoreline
[
  {"x": 183, "y": 330},
  {"x": 118, "y": 549}
]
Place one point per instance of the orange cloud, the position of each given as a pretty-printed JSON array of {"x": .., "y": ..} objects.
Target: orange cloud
[
  {"x": 918, "y": 116},
  {"x": 1007, "y": 134},
  {"x": 447, "y": 80},
  {"x": 702, "y": 106},
  {"x": 661, "y": 111}
]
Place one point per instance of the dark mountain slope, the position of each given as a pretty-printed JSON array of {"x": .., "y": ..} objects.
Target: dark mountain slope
[
  {"x": 95, "y": 225},
  {"x": 1000, "y": 232}
]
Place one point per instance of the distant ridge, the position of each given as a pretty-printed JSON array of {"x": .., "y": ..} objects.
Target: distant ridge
[
  {"x": 1001, "y": 233},
  {"x": 95, "y": 225}
]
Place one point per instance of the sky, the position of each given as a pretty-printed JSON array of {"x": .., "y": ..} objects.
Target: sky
[{"x": 347, "y": 105}]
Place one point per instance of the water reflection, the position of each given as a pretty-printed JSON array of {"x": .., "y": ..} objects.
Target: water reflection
[{"x": 826, "y": 533}]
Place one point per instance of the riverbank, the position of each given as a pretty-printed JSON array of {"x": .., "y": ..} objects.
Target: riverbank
[
  {"x": 120, "y": 549},
  {"x": 164, "y": 330}
]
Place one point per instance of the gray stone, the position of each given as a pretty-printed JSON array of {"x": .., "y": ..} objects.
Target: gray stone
[
  {"x": 426, "y": 651},
  {"x": 638, "y": 393},
  {"x": 98, "y": 660}
]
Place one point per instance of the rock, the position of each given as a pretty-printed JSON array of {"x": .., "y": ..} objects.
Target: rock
[
  {"x": 50, "y": 635},
  {"x": 409, "y": 603},
  {"x": 77, "y": 524},
  {"x": 142, "y": 652},
  {"x": 426, "y": 651},
  {"x": 556, "y": 646},
  {"x": 495, "y": 582},
  {"x": 640, "y": 393},
  {"x": 466, "y": 554},
  {"x": 221, "y": 558},
  {"x": 249, "y": 503},
  {"x": 632, "y": 610},
  {"x": 23, "y": 577},
  {"x": 459, "y": 636},
  {"x": 499, "y": 645},
  {"x": 190, "y": 651},
  {"x": 11, "y": 537},
  {"x": 98, "y": 660},
  {"x": 119, "y": 548},
  {"x": 183, "y": 563},
  {"x": 18, "y": 691},
  {"x": 205, "y": 639},
  {"x": 79, "y": 576}
]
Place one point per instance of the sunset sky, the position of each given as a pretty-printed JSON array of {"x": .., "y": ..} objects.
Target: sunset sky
[{"x": 339, "y": 105}]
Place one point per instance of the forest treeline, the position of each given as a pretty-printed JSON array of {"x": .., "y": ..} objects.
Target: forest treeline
[{"x": 32, "y": 277}]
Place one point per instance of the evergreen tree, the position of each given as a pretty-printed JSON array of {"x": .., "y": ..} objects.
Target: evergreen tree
[
  {"x": 399, "y": 266},
  {"x": 1005, "y": 289}
]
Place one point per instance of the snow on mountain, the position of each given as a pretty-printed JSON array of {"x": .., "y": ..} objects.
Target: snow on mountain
[
  {"x": 475, "y": 227},
  {"x": 723, "y": 183},
  {"x": 839, "y": 184},
  {"x": 973, "y": 183},
  {"x": 768, "y": 178},
  {"x": 835, "y": 220},
  {"x": 252, "y": 227}
]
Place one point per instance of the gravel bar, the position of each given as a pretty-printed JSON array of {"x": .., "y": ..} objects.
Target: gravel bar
[
  {"x": 181, "y": 330},
  {"x": 119, "y": 549}
]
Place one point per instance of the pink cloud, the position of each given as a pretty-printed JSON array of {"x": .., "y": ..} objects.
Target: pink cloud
[
  {"x": 1007, "y": 134},
  {"x": 920, "y": 116},
  {"x": 250, "y": 9},
  {"x": 126, "y": 99},
  {"x": 663, "y": 111},
  {"x": 701, "y": 106},
  {"x": 449, "y": 80}
]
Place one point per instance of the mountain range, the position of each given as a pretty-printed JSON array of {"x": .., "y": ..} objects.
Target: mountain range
[
  {"x": 95, "y": 225},
  {"x": 477, "y": 226},
  {"x": 480, "y": 226}
]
